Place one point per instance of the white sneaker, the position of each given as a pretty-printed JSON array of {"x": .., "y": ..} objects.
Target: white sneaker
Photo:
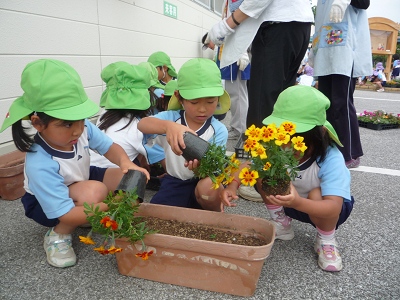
[
  {"x": 328, "y": 255},
  {"x": 381, "y": 90},
  {"x": 249, "y": 193},
  {"x": 59, "y": 249},
  {"x": 283, "y": 232}
]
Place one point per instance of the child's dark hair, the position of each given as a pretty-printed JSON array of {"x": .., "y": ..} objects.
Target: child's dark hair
[
  {"x": 112, "y": 116},
  {"x": 396, "y": 56},
  {"x": 317, "y": 140},
  {"x": 22, "y": 140}
]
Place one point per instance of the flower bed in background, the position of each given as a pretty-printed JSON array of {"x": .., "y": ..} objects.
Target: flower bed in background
[{"x": 378, "y": 120}]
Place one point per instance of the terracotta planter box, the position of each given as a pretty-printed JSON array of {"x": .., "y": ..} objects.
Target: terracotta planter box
[
  {"x": 206, "y": 265},
  {"x": 12, "y": 175}
]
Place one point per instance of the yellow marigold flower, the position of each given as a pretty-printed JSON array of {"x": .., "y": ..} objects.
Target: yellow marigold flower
[
  {"x": 298, "y": 143},
  {"x": 233, "y": 157},
  {"x": 248, "y": 177},
  {"x": 282, "y": 138},
  {"x": 113, "y": 250},
  {"x": 268, "y": 133},
  {"x": 253, "y": 132},
  {"x": 288, "y": 127},
  {"x": 267, "y": 165},
  {"x": 259, "y": 151},
  {"x": 250, "y": 144},
  {"x": 86, "y": 240}
]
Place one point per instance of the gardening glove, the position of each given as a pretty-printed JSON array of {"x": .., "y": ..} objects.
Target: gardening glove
[
  {"x": 243, "y": 62},
  {"x": 218, "y": 33},
  {"x": 338, "y": 9}
]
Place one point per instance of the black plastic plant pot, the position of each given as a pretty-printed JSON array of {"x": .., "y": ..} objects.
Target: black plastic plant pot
[
  {"x": 133, "y": 180},
  {"x": 196, "y": 147}
]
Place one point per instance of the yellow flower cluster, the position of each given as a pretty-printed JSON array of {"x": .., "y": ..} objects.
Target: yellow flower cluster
[{"x": 274, "y": 153}]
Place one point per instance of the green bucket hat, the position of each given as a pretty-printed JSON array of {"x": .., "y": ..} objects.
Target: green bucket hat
[
  {"x": 153, "y": 74},
  {"x": 198, "y": 78},
  {"x": 129, "y": 89},
  {"x": 170, "y": 87},
  {"x": 304, "y": 106},
  {"x": 107, "y": 75},
  {"x": 159, "y": 59},
  {"x": 54, "y": 88}
]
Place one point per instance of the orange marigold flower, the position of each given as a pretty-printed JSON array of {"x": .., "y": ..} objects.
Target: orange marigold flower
[
  {"x": 86, "y": 240},
  {"x": 101, "y": 250},
  {"x": 108, "y": 222},
  {"x": 145, "y": 255},
  {"x": 113, "y": 250}
]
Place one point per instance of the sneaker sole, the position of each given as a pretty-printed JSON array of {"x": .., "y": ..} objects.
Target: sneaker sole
[{"x": 285, "y": 237}]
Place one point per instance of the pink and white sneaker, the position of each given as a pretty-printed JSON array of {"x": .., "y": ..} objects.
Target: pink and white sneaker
[{"x": 328, "y": 255}]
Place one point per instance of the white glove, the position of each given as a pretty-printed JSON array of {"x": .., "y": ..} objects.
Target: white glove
[
  {"x": 338, "y": 9},
  {"x": 218, "y": 33},
  {"x": 243, "y": 62}
]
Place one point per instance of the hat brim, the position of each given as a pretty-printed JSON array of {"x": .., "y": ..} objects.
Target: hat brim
[
  {"x": 78, "y": 112},
  {"x": 303, "y": 127},
  {"x": 224, "y": 102},
  {"x": 172, "y": 72},
  {"x": 17, "y": 111}
]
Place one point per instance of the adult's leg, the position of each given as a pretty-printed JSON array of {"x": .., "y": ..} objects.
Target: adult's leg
[
  {"x": 342, "y": 113},
  {"x": 277, "y": 52},
  {"x": 237, "y": 90}
]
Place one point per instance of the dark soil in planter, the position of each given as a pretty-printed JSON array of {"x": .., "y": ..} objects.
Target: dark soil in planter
[
  {"x": 281, "y": 188},
  {"x": 202, "y": 232}
]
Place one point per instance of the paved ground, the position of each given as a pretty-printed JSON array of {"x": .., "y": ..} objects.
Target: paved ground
[{"x": 368, "y": 242}]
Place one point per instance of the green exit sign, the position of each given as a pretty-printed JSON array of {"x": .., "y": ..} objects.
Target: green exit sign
[{"x": 170, "y": 10}]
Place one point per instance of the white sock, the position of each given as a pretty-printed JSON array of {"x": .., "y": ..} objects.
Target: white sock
[{"x": 326, "y": 235}]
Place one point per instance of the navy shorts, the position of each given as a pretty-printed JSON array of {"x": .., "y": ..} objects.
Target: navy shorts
[
  {"x": 347, "y": 207},
  {"x": 176, "y": 192},
  {"x": 34, "y": 211}
]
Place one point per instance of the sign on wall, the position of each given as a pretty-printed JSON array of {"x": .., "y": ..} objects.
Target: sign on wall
[{"x": 170, "y": 10}]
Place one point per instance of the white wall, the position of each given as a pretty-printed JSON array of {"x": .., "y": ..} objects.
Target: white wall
[{"x": 89, "y": 35}]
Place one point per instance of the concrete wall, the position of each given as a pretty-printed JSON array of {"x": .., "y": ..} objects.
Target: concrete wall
[{"x": 89, "y": 35}]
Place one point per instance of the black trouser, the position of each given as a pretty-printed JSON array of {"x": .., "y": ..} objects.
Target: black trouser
[
  {"x": 277, "y": 51},
  {"x": 342, "y": 113}
]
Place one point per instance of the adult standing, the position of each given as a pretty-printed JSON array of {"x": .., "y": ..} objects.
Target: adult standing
[
  {"x": 342, "y": 53},
  {"x": 279, "y": 33},
  {"x": 236, "y": 76}
]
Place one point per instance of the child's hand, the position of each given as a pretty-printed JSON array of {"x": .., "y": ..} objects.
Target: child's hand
[
  {"x": 287, "y": 200},
  {"x": 132, "y": 166},
  {"x": 174, "y": 133},
  {"x": 227, "y": 195},
  {"x": 192, "y": 164}
]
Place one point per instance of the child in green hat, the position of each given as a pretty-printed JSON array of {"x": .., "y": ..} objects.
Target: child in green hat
[
  {"x": 126, "y": 101},
  {"x": 198, "y": 96},
  {"x": 320, "y": 194},
  {"x": 162, "y": 62},
  {"x": 58, "y": 175}
]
